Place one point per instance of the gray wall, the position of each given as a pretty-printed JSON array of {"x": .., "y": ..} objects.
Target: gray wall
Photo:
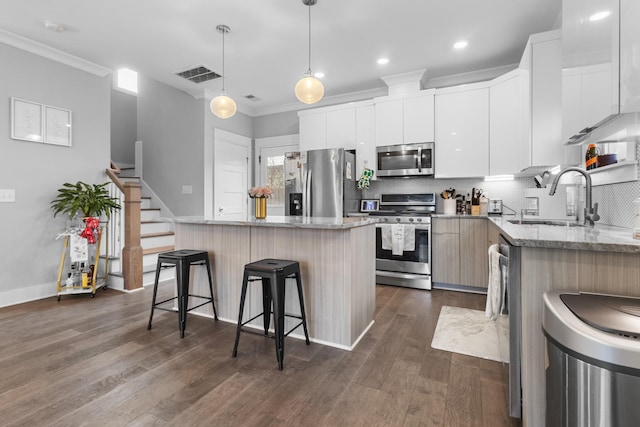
[
  {"x": 124, "y": 127},
  {"x": 29, "y": 253},
  {"x": 276, "y": 125},
  {"x": 173, "y": 127}
]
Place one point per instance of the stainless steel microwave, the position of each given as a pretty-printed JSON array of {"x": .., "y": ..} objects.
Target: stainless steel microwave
[{"x": 406, "y": 159}]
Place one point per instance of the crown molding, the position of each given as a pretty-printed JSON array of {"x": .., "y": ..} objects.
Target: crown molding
[{"x": 54, "y": 54}]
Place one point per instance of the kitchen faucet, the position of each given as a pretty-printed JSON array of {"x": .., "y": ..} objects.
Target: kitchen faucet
[{"x": 590, "y": 212}]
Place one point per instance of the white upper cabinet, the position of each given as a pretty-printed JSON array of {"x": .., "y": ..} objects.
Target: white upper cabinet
[
  {"x": 419, "y": 117},
  {"x": 328, "y": 127},
  {"x": 462, "y": 131},
  {"x": 405, "y": 120},
  {"x": 508, "y": 146},
  {"x": 341, "y": 128},
  {"x": 590, "y": 63},
  {"x": 389, "y": 118},
  {"x": 365, "y": 140},
  {"x": 313, "y": 130},
  {"x": 541, "y": 70},
  {"x": 629, "y": 56}
]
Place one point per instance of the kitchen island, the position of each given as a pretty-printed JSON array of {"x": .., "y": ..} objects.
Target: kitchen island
[
  {"x": 337, "y": 262},
  {"x": 600, "y": 259}
]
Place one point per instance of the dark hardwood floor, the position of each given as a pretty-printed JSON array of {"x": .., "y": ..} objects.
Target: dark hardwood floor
[{"x": 85, "y": 361}]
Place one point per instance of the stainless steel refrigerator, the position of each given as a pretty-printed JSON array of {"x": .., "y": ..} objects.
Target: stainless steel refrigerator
[{"x": 320, "y": 183}]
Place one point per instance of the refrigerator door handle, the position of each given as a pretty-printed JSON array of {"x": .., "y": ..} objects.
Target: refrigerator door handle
[
  {"x": 419, "y": 162},
  {"x": 306, "y": 205}
]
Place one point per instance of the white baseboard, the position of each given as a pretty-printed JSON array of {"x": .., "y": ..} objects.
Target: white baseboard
[{"x": 31, "y": 293}]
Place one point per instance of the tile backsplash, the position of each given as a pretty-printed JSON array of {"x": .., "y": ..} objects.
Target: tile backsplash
[{"x": 615, "y": 201}]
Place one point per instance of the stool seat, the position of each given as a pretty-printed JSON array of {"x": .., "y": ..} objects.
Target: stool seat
[
  {"x": 273, "y": 274},
  {"x": 182, "y": 259}
]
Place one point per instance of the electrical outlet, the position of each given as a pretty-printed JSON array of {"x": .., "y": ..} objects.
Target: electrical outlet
[
  {"x": 7, "y": 196},
  {"x": 187, "y": 189}
]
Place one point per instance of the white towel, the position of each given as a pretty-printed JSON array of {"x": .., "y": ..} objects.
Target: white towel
[
  {"x": 409, "y": 238},
  {"x": 494, "y": 289},
  {"x": 397, "y": 239},
  {"x": 385, "y": 234}
]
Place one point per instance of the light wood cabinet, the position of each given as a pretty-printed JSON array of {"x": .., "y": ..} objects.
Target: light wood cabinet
[
  {"x": 405, "y": 120},
  {"x": 474, "y": 260},
  {"x": 459, "y": 251},
  {"x": 445, "y": 250},
  {"x": 462, "y": 131}
]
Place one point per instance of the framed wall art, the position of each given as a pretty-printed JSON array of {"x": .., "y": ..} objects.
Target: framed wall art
[
  {"x": 57, "y": 126},
  {"x": 26, "y": 120}
]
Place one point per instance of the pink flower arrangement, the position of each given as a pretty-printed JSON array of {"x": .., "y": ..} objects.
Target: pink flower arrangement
[{"x": 259, "y": 192}]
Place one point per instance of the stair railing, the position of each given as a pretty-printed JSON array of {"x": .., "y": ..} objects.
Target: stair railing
[{"x": 130, "y": 253}]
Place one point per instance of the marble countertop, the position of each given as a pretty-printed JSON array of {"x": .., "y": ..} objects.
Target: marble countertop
[
  {"x": 277, "y": 221},
  {"x": 605, "y": 238}
]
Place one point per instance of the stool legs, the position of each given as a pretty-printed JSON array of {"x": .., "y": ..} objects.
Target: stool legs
[
  {"x": 155, "y": 292},
  {"x": 183, "y": 295},
  {"x": 277, "y": 295},
  {"x": 215, "y": 313},
  {"x": 302, "y": 313},
  {"x": 245, "y": 283},
  {"x": 266, "y": 304}
]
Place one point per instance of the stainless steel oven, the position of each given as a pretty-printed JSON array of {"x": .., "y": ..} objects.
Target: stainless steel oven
[
  {"x": 408, "y": 214},
  {"x": 406, "y": 160}
]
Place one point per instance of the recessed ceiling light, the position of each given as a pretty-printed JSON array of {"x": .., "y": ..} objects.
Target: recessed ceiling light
[
  {"x": 383, "y": 61},
  {"x": 599, "y": 15},
  {"x": 460, "y": 44},
  {"x": 318, "y": 75}
]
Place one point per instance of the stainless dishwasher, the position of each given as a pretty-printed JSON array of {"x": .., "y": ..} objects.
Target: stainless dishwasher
[{"x": 514, "y": 304}]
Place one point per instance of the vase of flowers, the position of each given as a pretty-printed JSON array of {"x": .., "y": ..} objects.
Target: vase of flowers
[{"x": 260, "y": 194}]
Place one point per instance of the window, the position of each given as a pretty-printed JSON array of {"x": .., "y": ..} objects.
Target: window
[{"x": 128, "y": 80}]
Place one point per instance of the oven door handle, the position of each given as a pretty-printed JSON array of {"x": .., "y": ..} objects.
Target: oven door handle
[{"x": 418, "y": 227}]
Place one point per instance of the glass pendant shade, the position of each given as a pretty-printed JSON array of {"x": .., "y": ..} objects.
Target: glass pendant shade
[
  {"x": 309, "y": 90},
  {"x": 222, "y": 106}
]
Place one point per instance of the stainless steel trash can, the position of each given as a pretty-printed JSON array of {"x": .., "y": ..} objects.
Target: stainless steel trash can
[{"x": 593, "y": 366}]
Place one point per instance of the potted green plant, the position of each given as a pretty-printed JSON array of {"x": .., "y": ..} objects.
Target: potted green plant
[{"x": 90, "y": 200}]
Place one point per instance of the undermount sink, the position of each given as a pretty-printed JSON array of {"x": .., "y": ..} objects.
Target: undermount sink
[{"x": 546, "y": 222}]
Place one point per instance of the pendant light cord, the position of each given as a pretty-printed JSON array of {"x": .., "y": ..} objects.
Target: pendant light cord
[
  {"x": 309, "y": 69},
  {"x": 223, "y": 31}
]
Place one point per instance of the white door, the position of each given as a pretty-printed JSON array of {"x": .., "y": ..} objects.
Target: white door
[
  {"x": 231, "y": 175},
  {"x": 269, "y": 168}
]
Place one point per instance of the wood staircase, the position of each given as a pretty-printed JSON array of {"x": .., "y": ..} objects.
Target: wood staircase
[{"x": 155, "y": 237}]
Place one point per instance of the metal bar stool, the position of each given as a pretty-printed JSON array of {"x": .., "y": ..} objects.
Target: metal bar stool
[
  {"x": 273, "y": 274},
  {"x": 182, "y": 259}
]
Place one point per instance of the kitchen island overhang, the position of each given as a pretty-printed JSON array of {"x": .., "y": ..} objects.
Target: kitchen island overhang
[{"x": 337, "y": 261}]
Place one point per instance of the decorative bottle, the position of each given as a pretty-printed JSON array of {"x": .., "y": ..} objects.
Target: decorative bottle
[{"x": 591, "y": 157}]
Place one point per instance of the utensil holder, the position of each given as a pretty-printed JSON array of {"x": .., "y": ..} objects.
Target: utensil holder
[{"x": 449, "y": 206}]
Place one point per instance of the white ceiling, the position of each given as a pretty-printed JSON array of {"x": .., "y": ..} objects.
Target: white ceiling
[{"x": 266, "y": 51}]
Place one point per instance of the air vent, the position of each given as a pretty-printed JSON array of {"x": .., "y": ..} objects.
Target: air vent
[
  {"x": 252, "y": 97},
  {"x": 198, "y": 74}
]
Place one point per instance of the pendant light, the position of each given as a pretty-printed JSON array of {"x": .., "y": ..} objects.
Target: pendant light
[
  {"x": 223, "y": 106},
  {"x": 309, "y": 89}
]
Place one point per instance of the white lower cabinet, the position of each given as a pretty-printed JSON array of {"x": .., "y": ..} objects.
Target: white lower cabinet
[{"x": 462, "y": 131}]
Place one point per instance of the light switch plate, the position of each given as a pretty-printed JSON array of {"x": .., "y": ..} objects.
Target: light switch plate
[
  {"x": 187, "y": 189},
  {"x": 7, "y": 196}
]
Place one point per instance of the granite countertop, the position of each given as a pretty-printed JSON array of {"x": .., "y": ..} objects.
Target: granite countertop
[
  {"x": 461, "y": 216},
  {"x": 605, "y": 238},
  {"x": 277, "y": 221}
]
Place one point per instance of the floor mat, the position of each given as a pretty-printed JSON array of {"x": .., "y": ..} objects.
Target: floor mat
[{"x": 470, "y": 332}]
